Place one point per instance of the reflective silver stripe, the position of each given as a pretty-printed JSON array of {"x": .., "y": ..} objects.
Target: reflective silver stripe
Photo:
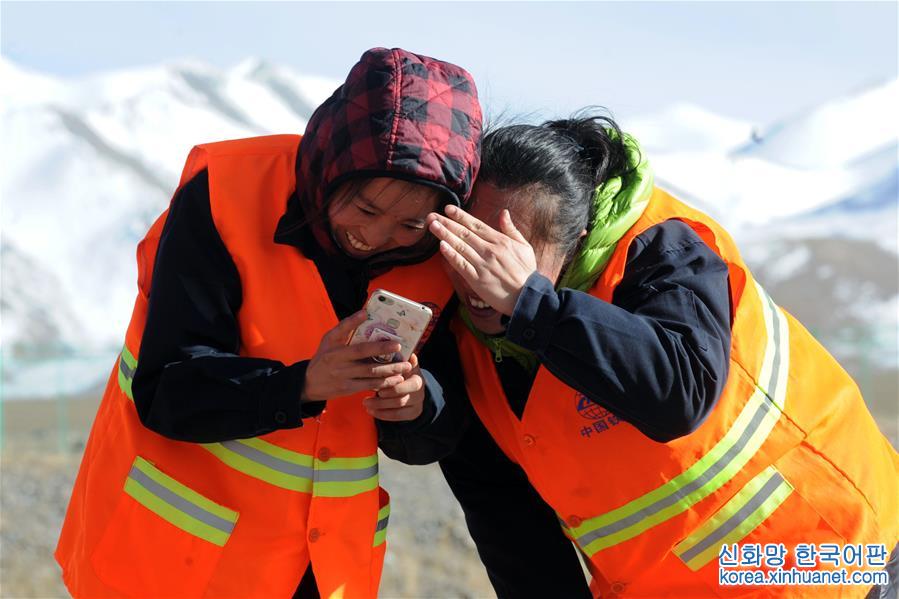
[
  {"x": 326, "y": 476},
  {"x": 277, "y": 464},
  {"x": 696, "y": 486},
  {"x": 382, "y": 524},
  {"x": 684, "y": 491},
  {"x": 771, "y": 391},
  {"x": 738, "y": 518},
  {"x": 179, "y": 502},
  {"x": 126, "y": 370}
]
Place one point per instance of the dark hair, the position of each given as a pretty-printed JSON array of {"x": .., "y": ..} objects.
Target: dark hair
[{"x": 557, "y": 167}]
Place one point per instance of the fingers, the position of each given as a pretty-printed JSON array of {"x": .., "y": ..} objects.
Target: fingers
[
  {"x": 413, "y": 361},
  {"x": 389, "y": 403},
  {"x": 397, "y": 402},
  {"x": 367, "y": 349},
  {"x": 340, "y": 334},
  {"x": 395, "y": 409},
  {"x": 351, "y": 386},
  {"x": 413, "y": 384},
  {"x": 442, "y": 226},
  {"x": 458, "y": 263},
  {"x": 478, "y": 227},
  {"x": 508, "y": 227},
  {"x": 457, "y": 243},
  {"x": 370, "y": 370},
  {"x": 379, "y": 384}
]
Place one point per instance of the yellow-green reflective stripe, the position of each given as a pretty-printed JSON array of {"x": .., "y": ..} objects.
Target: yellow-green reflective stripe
[
  {"x": 381, "y": 529},
  {"x": 178, "y": 504},
  {"x": 125, "y": 369},
  {"x": 129, "y": 358},
  {"x": 344, "y": 489},
  {"x": 380, "y": 537},
  {"x": 344, "y": 476},
  {"x": 729, "y": 455},
  {"x": 125, "y": 382},
  {"x": 255, "y": 469},
  {"x": 740, "y": 516},
  {"x": 127, "y": 366},
  {"x": 384, "y": 512},
  {"x": 348, "y": 463},
  {"x": 276, "y": 451},
  {"x": 173, "y": 516},
  {"x": 294, "y": 466},
  {"x": 777, "y": 324},
  {"x": 337, "y": 477},
  {"x": 183, "y": 491},
  {"x": 724, "y": 464}
]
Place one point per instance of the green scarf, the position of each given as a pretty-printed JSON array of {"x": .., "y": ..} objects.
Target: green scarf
[{"x": 618, "y": 203}]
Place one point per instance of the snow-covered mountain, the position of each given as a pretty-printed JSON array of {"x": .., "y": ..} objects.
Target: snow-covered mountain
[
  {"x": 746, "y": 175},
  {"x": 88, "y": 163}
]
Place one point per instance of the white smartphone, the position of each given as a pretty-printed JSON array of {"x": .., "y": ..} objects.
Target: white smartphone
[{"x": 392, "y": 317}]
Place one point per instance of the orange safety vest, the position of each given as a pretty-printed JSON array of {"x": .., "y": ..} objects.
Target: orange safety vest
[
  {"x": 789, "y": 454},
  {"x": 153, "y": 517}
]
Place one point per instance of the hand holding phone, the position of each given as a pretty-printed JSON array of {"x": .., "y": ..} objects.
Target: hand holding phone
[
  {"x": 392, "y": 317},
  {"x": 401, "y": 403},
  {"x": 338, "y": 369}
]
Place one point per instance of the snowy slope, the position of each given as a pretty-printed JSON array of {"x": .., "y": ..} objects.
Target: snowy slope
[
  {"x": 89, "y": 163},
  {"x": 840, "y": 132},
  {"x": 747, "y": 176}
]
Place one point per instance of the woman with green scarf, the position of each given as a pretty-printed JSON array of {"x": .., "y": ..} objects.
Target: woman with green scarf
[
  {"x": 571, "y": 188},
  {"x": 635, "y": 390}
]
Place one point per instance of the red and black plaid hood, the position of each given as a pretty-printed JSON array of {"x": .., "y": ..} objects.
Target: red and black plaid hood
[{"x": 397, "y": 115}]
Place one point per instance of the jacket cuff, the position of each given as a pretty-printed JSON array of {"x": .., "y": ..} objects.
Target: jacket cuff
[
  {"x": 308, "y": 409},
  {"x": 534, "y": 316},
  {"x": 434, "y": 400},
  {"x": 281, "y": 407}
]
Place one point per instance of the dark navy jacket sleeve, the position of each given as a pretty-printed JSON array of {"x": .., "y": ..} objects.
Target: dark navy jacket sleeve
[
  {"x": 657, "y": 356},
  {"x": 190, "y": 382}
]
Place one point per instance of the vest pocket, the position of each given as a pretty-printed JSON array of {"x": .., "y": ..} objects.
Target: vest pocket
[
  {"x": 767, "y": 510},
  {"x": 742, "y": 514},
  {"x": 164, "y": 539}
]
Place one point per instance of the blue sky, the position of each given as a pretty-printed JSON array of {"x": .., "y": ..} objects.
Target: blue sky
[{"x": 757, "y": 61}]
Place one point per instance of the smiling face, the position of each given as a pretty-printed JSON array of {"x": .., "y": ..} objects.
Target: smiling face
[
  {"x": 380, "y": 215},
  {"x": 487, "y": 204}
]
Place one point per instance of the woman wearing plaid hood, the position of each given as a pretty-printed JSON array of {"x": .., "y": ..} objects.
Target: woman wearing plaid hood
[{"x": 234, "y": 452}]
